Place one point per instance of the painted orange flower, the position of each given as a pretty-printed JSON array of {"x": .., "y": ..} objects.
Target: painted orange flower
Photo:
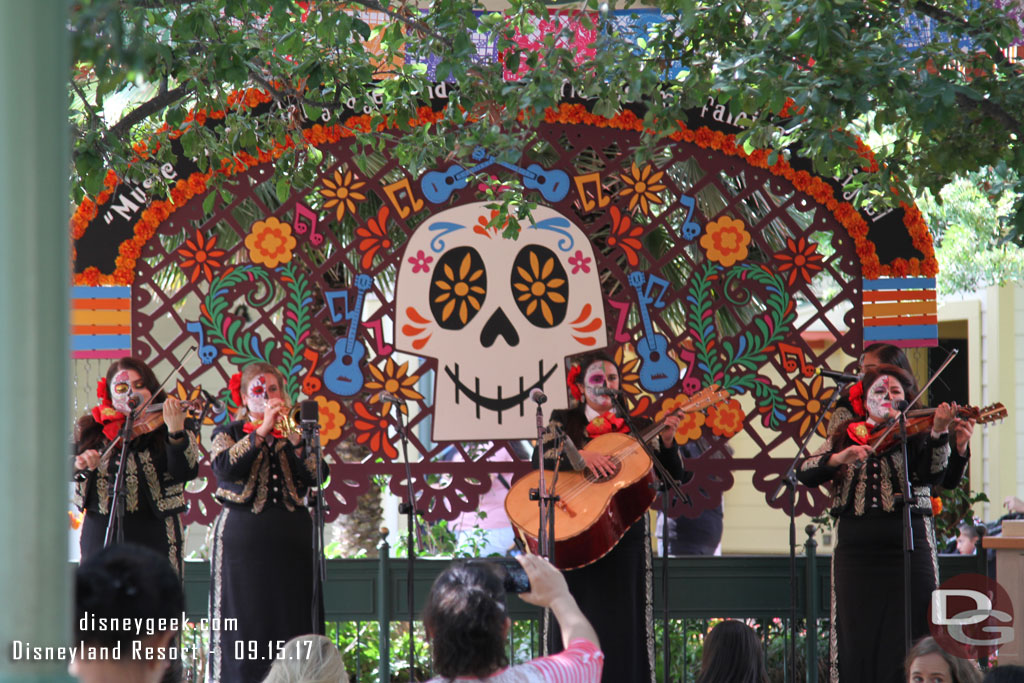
[
  {"x": 270, "y": 242},
  {"x": 725, "y": 240},
  {"x": 808, "y": 404},
  {"x": 372, "y": 431},
  {"x": 629, "y": 379},
  {"x": 395, "y": 380},
  {"x": 342, "y": 193},
  {"x": 332, "y": 420},
  {"x": 183, "y": 394},
  {"x": 644, "y": 186},
  {"x": 489, "y": 227},
  {"x": 461, "y": 289},
  {"x": 201, "y": 256},
  {"x": 726, "y": 419},
  {"x": 373, "y": 237},
  {"x": 800, "y": 258},
  {"x": 690, "y": 425},
  {"x": 541, "y": 286},
  {"x": 625, "y": 235}
]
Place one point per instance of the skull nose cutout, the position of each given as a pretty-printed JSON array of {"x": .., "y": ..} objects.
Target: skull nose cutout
[{"x": 498, "y": 324}]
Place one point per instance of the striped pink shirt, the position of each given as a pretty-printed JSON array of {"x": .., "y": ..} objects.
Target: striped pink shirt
[{"x": 581, "y": 662}]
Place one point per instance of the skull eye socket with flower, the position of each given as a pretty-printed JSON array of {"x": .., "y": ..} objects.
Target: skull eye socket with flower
[{"x": 500, "y": 316}]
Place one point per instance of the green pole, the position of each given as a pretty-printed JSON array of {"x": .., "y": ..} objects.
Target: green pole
[
  {"x": 384, "y": 606},
  {"x": 34, "y": 351},
  {"x": 811, "y": 642}
]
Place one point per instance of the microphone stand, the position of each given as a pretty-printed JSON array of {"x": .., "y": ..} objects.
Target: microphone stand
[
  {"x": 789, "y": 483},
  {"x": 546, "y": 500},
  {"x": 408, "y": 508},
  {"x": 115, "y": 523},
  {"x": 667, "y": 481},
  {"x": 311, "y": 443}
]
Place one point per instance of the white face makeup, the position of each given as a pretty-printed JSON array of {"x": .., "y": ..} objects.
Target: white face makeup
[
  {"x": 256, "y": 395},
  {"x": 122, "y": 385},
  {"x": 881, "y": 395},
  {"x": 600, "y": 374}
]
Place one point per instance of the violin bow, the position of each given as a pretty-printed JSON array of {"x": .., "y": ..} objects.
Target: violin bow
[{"x": 931, "y": 380}]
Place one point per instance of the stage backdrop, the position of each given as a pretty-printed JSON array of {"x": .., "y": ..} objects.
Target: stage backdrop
[{"x": 689, "y": 269}]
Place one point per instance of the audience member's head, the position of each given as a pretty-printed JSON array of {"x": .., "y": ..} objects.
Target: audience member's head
[
  {"x": 118, "y": 586},
  {"x": 732, "y": 654},
  {"x": 308, "y": 659},
  {"x": 967, "y": 539},
  {"x": 1011, "y": 673},
  {"x": 927, "y": 662},
  {"x": 466, "y": 620}
]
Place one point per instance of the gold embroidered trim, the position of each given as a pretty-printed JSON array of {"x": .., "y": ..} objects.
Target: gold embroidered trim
[
  {"x": 250, "y": 484},
  {"x": 885, "y": 487},
  {"x": 216, "y": 577}
]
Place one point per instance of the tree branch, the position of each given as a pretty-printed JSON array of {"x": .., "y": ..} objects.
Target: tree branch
[
  {"x": 162, "y": 100},
  {"x": 419, "y": 26},
  {"x": 939, "y": 14}
]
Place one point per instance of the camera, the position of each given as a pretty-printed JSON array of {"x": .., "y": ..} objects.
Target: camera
[{"x": 514, "y": 576}]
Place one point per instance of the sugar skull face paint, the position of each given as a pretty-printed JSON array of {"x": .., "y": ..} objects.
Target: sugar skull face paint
[
  {"x": 881, "y": 395},
  {"x": 122, "y": 386},
  {"x": 256, "y": 395},
  {"x": 600, "y": 374}
]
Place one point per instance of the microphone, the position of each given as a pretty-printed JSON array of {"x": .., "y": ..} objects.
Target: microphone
[
  {"x": 571, "y": 452},
  {"x": 900, "y": 405},
  {"x": 309, "y": 414},
  {"x": 389, "y": 397},
  {"x": 537, "y": 396},
  {"x": 134, "y": 400},
  {"x": 606, "y": 391},
  {"x": 217, "y": 406},
  {"x": 838, "y": 376}
]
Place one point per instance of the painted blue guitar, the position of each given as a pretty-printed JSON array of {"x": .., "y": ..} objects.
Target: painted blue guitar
[
  {"x": 344, "y": 376},
  {"x": 553, "y": 184},
  {"x": 658, "y": 372},
  {"x": 438, "y": 186}
]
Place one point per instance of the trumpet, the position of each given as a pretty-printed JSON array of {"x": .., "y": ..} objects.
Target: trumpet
[{"x": 288, "y": 422}]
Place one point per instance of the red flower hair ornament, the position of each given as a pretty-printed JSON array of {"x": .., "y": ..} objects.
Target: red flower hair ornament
[
  {"x": 573, "y": 380},
  {"x": 105, "y": 414},
  {"x": 235, "y": 385},
  {"x": 857, "y": 399}
]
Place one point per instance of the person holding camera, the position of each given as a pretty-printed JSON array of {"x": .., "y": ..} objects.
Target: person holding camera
[{"x": 466, "y": 620}]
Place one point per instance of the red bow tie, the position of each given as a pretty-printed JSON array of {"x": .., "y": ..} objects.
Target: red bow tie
[
  {"x": 606, "y": 423},
  {"x": 250, "y": 427}
]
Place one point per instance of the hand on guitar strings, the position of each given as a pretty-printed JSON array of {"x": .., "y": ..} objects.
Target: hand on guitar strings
[
  {"x": 598, "y": 463},
  {"x": 668, "y": 434}
]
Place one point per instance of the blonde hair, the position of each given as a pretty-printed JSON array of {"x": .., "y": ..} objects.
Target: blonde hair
[
  {"x": 308, "y": 659},
  {"x": 251, "y": 372}
]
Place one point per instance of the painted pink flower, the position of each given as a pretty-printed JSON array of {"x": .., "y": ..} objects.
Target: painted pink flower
[
  {"x": 420, "y": 262},
  {"x": 579, "y": 262}
]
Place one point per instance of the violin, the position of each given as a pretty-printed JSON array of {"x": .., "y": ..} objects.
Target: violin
[
  {"x": 920, "y": 420},
  {"x": 149, "y": 418}
]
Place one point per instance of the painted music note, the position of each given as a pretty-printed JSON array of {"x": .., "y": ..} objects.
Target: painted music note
[
  {"x": 790, "y": 355},
  {"x": 378, "y": 337},
  {"x": 311, "y": 220},
  {"x": 622, "y": 307},
  {"x": 403, "y": 185},
  {"x": 311, "y": 383},
  {"x": 690, "y": 227},
  {"x": 207, "y": 352},
  {"x": 344, "y": 376},
  {"x": 589, "y": 204},
  {"x": 691, "y": 385},
  {"x": 658, "y": 372}
]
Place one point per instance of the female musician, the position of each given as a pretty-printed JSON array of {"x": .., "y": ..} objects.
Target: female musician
[
  {"x": 162, "y": 457},
  {"x": 867, "y": 565},
  {"x": 262, "y": 558},
  {"x": 615, "y": 591}
]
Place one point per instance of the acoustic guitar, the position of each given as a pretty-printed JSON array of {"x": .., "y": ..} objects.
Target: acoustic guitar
[{"x": 593, "y": 512}]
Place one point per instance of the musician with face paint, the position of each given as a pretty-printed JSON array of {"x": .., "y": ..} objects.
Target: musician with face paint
[
  {"x": 161, "y": 457},
  {"x": 613, "y": 592},
  {"x": 262, "y": 559},
  {"x": 866, "y": 500}
]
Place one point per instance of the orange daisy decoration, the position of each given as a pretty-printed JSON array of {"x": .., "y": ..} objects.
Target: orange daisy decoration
[
  {"x": 183, "y": 394},
  {"x": 395, "y": 380},
  {"x": 201, "y": 256},
  {"x": 690, "y": 424},
  {"x": 270, "y": 242},
  {"x": 625, "y": 235},
  {"x": 725, "y": 240},
  {"x": 372, "y": 431},
  {"x": 342, "y": 193},
  {"x": 629, "y": 379},
  {"x": 373, "y": 237},
  {"x": 644, "y": 186},
  {"x": 331, "y": 419},
  {"x": 489, "y": 227},
  {"x": 808, "y": 404},
  {"x": 800, "y": 258},
  {"x": 726, "y": 419}
]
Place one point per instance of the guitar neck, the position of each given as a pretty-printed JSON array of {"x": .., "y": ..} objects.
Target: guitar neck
[
  {"x": 645, "y": 316},
  {"x": 357, "y": 316}
]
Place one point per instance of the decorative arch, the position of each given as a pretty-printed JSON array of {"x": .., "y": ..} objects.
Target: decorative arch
[{"x": 712, "y": 267}]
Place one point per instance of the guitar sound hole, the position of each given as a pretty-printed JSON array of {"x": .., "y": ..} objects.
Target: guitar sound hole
[
  {"x": 591, "y": 477},
  {"x": 346, "y": 359},
  {"x": 655, "y": 356}
]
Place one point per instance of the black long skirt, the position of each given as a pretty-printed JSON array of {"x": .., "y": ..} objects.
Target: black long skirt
[
  {"x": 262, "y": 576},
  {"x": 867, "y": 596},
  {"x": 614, "y": 594},
  {"x": 162, "y": 534}
]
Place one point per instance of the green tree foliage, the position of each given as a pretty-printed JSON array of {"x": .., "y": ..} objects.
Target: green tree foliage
[{"x": 842, "y": 62}]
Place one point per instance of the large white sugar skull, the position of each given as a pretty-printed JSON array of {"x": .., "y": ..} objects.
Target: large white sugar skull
[{"x": 499, "y": 315}]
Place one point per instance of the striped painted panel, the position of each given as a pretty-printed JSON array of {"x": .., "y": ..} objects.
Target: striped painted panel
[
  {"x": 101, "y": 322},
  {"x": 901, "y": 310}
]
